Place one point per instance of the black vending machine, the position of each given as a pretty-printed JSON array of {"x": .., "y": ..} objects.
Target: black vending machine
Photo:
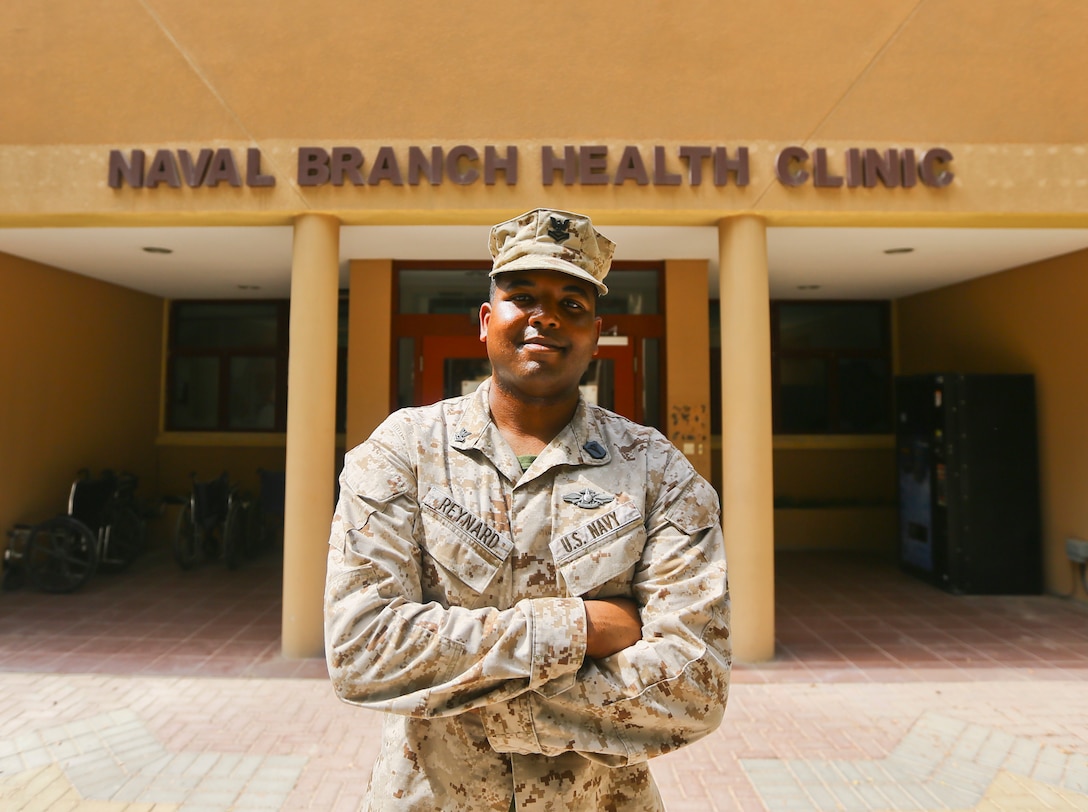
[{"x": 969, "y": 482}]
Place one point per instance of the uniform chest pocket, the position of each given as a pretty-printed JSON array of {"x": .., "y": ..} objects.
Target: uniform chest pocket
[
  {"x": 600, "y": 549},
  {"x": 461, "y": 542}
]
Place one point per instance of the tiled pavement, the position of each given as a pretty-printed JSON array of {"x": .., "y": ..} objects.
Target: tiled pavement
[{"x": 155, "y": 689}]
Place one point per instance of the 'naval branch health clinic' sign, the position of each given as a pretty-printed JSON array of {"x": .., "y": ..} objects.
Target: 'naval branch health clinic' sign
[{"x": 570, "y": 165}]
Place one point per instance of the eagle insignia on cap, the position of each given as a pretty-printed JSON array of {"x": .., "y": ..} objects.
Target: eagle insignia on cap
[
  {"x": 560, "y": 229},
  {"x": 588, "y": 498}
]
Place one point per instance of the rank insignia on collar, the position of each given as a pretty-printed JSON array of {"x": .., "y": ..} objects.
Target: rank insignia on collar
[
  {"x": 595, "y": 450},
  {"x": 462, "y": 435},
  {"x": 560, "y": 230},
  {"x": 588, "y": 498}
]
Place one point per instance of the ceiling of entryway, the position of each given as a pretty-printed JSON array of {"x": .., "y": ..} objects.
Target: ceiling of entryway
[{"x": 235, "y": 262}]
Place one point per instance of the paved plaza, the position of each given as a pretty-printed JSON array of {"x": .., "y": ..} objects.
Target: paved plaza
[{"x": 161, "y": 690}]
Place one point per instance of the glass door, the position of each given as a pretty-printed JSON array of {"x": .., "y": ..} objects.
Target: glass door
[{"x": 452, "y": 366}]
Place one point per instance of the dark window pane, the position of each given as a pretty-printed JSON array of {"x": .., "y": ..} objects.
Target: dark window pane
[
  {"x": 226, "y": 325},
  {"x": 442, "y": 291},
  {"x": 831, "y": 326},
  {"x": 463, "y": 291},
  {"x": 864, "y": 399},
  {"x": 341, "y": 391},
  {"x": 342, "y": 316},
  {"x": 228, "y": 366},
  {"x": 460, "y": 376},
  {"x": 651, "y": 375},
  {"x": 630, "y": 293},
  {"x": 803, "y": 403},
  {"x": 598, "y": 384},
  {"x": 252, "y": 404},
  {"x": 716, "y": 390},
  {"x": 406, "y": 372},
  {"x": 194, "y": 393},
  {"x": 834, "y": 367},
  {"x": 342, "y": 323}
]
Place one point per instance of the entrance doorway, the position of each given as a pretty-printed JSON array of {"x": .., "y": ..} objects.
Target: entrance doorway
[
  {"x": 455, "y": 365},
  {"x": 438, "y": 353}
]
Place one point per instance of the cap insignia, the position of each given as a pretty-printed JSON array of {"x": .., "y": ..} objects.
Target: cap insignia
[
  {"x": 560, "y": 230},
  {"x": 588, "y": 499}
]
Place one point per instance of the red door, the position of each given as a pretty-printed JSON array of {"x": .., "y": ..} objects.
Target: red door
[{"x": 455, "y": 365}]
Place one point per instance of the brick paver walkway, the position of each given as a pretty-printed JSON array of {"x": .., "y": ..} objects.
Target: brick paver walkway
[{"x": 123, "y": 719}]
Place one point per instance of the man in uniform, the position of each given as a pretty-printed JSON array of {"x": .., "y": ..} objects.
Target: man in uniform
[{"x": 532, "y": 587}]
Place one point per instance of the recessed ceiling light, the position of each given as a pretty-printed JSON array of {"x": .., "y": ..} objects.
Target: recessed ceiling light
[
  {"x": 808, "y": 287},
  {"x": 898, "y": 250},
  {"x": 154, "y": 249}
]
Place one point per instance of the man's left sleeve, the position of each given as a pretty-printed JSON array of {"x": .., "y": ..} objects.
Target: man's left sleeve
[{"x": 670, "y": 688}]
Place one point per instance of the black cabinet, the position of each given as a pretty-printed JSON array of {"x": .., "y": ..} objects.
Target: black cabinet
[{"x": 969, "y": 517}]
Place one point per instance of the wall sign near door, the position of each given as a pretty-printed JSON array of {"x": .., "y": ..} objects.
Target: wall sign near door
[{"x": 570, "y": 165}]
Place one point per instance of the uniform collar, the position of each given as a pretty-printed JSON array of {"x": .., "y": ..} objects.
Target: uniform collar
[{"x": 581, "y": 442}]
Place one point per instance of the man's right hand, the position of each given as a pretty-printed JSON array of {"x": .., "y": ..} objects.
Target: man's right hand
[{"x": 612, "y": 624}]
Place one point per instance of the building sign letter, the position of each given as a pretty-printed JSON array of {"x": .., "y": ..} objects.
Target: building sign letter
[{"x": 690, "y": 165}]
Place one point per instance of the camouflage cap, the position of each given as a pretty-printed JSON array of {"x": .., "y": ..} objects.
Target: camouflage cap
[{"x": 552, "y": 240}]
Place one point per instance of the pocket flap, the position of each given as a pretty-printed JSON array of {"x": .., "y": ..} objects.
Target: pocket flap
[
  {"x": 600, "y": 549},
  {"x": 466, "y": 545}
]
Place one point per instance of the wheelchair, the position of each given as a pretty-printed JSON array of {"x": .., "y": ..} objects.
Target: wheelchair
[
  {"x": 267, "y": 527},
  {"x": 104, "y": 527},
  {"x": 219, "y": 521},
  {"x": 209, "y": 524}
]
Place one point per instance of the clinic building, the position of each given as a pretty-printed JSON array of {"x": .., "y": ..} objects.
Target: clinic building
[{"x": 238, "y": 240}]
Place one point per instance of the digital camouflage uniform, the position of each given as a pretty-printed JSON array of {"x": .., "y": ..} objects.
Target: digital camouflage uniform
[{"x": 454, "y": 603}]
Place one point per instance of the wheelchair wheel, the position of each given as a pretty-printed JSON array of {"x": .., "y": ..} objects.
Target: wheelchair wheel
[
  {"x": 60, "y": 555},
  {"x": 125, "y": 538},
  {"x": 234, "y": 532},
  {"x": 188, "y": 544},
  {"x": 258, "y": 532}
]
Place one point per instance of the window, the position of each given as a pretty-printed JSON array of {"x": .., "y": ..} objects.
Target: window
[
  {"x": 831, "y": 367},
  {"x": 227, "y": 366}
]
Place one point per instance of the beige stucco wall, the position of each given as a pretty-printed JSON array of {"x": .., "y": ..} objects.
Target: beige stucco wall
[
  {"x": 999, "y": 88},
  {"x": 370, "y": 350},
  {"x": 1030, "y": 319},
  {"x": 836, "y": 470},
  {"x": 835, "y": 493},
  {"x": 80, "y": 371},
  {"x": 207, "y": 457},
  {"x": 687, "y": 361},
  {"x": 169, "y": 70}
]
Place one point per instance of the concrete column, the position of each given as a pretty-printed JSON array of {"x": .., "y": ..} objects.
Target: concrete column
[
  {"x": 311, "y": 431},
  {"x": 747, "y": 484}
]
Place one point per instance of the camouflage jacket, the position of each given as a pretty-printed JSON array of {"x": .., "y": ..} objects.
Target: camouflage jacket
[{"x": 454, "y": 602}]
